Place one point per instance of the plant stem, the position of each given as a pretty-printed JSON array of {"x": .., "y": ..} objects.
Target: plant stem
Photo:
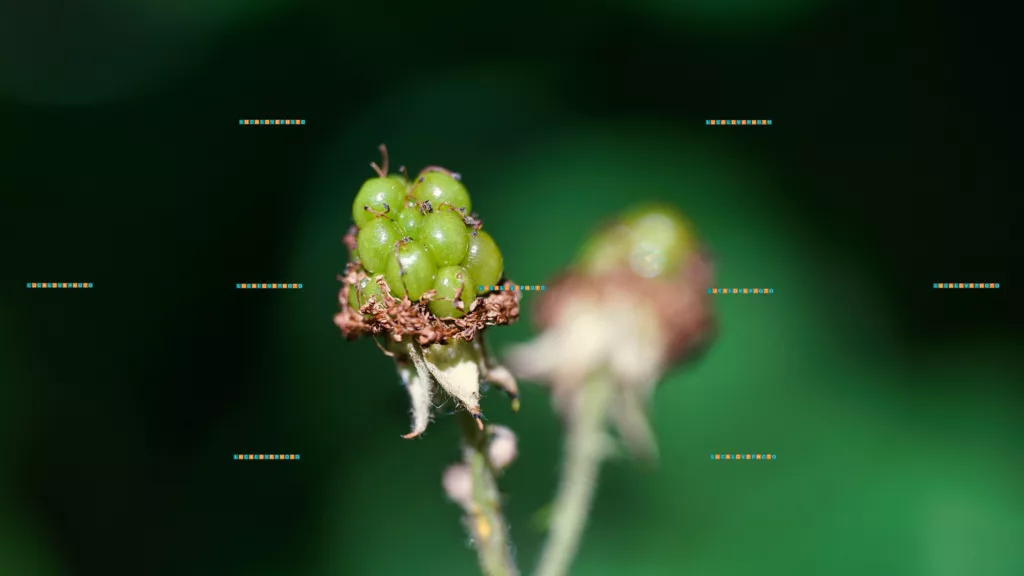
[
  {"x": 484, "y": 520},
  {"x": 585, "y": 449}
]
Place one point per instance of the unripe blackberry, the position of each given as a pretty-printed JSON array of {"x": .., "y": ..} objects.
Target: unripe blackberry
[
  {"x": 431, "y": 253},
  {"x": 410, "y": 247},
  {"x": 633, "y": 304},
  {"x": 653, "y": 241}
]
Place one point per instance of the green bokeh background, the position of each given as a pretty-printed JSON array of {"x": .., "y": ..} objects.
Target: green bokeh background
[{"x": 894, "y": 409}]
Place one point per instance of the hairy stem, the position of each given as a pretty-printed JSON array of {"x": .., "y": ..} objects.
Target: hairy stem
[
  {"x": 585, "y": 449},
  {"x": 487, "y": 527}
]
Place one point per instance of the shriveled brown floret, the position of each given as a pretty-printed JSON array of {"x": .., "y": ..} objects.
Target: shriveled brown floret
[{"x": 403, "y": 317}]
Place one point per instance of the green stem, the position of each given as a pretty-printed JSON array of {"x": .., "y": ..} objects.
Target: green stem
[
  {"x": 484, "y": 520},
  {"x": 585, "y": 449}
]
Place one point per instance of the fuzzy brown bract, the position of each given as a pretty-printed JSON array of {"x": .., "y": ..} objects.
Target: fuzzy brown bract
[{"x": 403, "y": 317}]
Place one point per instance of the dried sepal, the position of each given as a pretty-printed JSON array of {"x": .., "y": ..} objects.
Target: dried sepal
[
  {"x": 502, "y": 378},
  {"x": 495, "y": 373},
  {"x": 420, "y": 386},
  {"x": 456, "y": 370},
  {"x": 453, "y": 370}
]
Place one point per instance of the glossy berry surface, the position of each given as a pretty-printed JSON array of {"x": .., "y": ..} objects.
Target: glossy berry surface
[
  {"x": 379, "y": 194},
  {"x": 401, "y": 180},
  {"x": 409, "y": 218},
  {"x": 375, "y": 242},
  {"x": 410, "y": 270},
  {"x": 445, "y": 235},
  {"x": 363, "y": 292},
  {"x": 449, "y": 280},
  {"x": 441, "y": 188},
  {"x": 483, "y": 259}
]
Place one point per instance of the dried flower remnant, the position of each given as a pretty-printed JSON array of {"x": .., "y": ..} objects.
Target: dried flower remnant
[
  {"x": 411, "y": 282},
  {"x": 633, "y": 304}
]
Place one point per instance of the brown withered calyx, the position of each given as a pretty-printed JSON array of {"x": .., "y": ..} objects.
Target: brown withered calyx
[{"x": 404, "y": 317}]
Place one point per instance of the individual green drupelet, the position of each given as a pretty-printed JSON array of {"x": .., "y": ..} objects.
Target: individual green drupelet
[
  {"x": 366, "y": 291},
  {"x": 421, "y": 236}
]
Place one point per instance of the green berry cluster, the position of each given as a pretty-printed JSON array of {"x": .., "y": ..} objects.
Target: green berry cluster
[{"x": 420, "y": 235}]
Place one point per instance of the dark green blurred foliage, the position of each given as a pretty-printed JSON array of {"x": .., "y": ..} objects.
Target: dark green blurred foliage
[{"x": 894, "y": 410}]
